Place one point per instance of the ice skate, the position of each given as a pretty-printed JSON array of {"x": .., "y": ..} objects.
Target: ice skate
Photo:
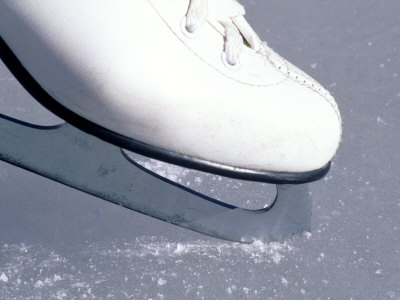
[{"x": 187, "y": 82}]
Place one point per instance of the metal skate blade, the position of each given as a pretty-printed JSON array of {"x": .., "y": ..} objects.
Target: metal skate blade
[{"x": 70, "y": 156}]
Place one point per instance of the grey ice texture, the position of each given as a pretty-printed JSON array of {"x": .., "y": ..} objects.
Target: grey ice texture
[{"x": 58, "y": 243}]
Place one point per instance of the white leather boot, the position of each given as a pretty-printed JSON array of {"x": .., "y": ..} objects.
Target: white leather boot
[{"x": 184, "y": 81}]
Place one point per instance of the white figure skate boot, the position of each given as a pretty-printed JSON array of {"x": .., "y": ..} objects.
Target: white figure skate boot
[{"x": 185, "y": 81}]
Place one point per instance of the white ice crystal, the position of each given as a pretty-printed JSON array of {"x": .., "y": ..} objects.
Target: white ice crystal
[
  {"x": 284, "y": 281},
  {"x": 3, "y": 277},
  {"x": 39, "y": 284},
  {"x": 277, "y": 257},
  {"x": 161, "y": 281}
]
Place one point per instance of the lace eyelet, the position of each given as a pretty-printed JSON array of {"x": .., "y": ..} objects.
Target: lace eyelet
[
  {"x": 234, "y": 67},
  {"x": 186, "y": 32}
]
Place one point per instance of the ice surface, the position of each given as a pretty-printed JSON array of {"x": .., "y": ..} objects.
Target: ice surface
[{"x": 154, "y": 264}]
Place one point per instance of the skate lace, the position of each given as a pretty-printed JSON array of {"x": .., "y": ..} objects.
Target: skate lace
[{"x": 230, "y": 14}]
